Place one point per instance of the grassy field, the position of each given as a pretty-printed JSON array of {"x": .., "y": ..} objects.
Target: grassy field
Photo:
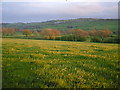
[
  {"x": 85, "y": 24},
  {"x": 58, "y": 64}
]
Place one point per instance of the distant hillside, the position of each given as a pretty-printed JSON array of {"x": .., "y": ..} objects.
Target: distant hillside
[{"x": 82, "y": 23}]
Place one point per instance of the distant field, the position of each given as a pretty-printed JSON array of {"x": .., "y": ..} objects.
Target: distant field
[
  {"x": 85, "y": 24},
  {"x": 58, "y": 64}
]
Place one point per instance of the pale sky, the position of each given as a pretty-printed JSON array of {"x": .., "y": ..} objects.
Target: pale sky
[
  {"x": 60, "y": 0},
  {"x": 29, "y": 11}
]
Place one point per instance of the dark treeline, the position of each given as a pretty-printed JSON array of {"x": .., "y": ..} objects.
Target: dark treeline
[{"x": 103, "y": 36}]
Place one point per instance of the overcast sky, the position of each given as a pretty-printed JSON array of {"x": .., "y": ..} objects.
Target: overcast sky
[{"x": 44, "y": 11}]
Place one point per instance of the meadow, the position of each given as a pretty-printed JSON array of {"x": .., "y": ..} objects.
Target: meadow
[
  {"x": 85, "y": 24},
  {"x": 30, "y": 63}
]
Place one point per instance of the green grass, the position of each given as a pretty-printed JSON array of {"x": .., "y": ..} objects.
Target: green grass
[
  {"x": 85, "y": 24},
  {"x": 58, "y": 64}
]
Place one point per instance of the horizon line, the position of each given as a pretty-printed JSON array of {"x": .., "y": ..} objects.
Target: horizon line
[{"x": 56, "y": 20}]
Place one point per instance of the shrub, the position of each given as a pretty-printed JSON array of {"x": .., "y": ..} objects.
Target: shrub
[
  {"x": 82, "y": 39},
  {"x": 96, "y": 39},
  {"x": 46, "y": 37},
  {"x": 71, "y": 38},
  {"x": 112, "y": 40},
  {"x": 67, "y": 38}
]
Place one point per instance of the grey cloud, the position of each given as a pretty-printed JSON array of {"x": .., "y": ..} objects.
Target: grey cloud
[{"x": 29, "y": 12}]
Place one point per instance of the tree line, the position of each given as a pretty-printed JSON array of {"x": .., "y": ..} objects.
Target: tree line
[{"x": 67, "y": 35}]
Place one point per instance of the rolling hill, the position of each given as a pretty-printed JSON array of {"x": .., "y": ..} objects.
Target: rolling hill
[{"x": 80, "y": 23}]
